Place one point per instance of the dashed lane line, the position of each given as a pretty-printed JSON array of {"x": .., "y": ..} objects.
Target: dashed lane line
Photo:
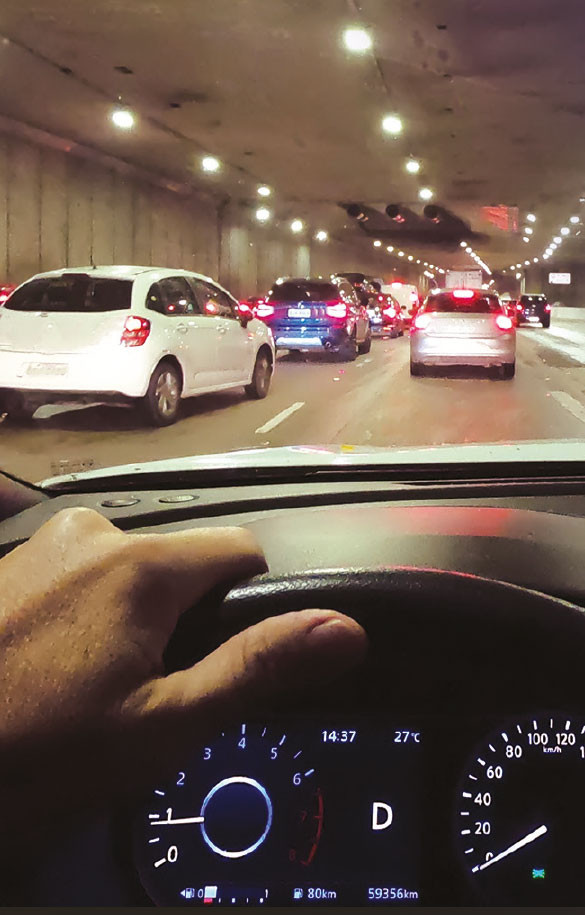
[
  {"x": 279, "y": 418},
  {"x": 569, "y": 403}
]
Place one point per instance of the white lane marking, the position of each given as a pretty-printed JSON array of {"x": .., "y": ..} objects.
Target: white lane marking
[
  {"x": 569, "y": 403},
  {"x": 280, "y": 417}
]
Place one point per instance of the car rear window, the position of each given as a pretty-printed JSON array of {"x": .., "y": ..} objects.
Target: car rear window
[
  {"x": 533, "y": 299},
  {"x": 72, "y": 293},
  {"x": 303, "y": 292},
  {"x": 484, "y": 304}
]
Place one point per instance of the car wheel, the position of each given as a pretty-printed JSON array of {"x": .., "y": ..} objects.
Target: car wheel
[
  {"x": 163, "y": 397},
  {"x": 261, "y": 377},
  {"x": 508, "y": 370},
  {"x": 366, "y": 346},
  {"x": 348, "y": 351},
  {"x": 416, "y": 368},
  {"x": 546, "y": 321}
]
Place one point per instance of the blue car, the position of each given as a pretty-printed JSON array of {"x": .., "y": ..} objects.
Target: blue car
[{"x": 314, "y": 314}]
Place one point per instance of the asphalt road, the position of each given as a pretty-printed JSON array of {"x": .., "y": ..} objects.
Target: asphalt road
[{"x": 372, "y": 401}]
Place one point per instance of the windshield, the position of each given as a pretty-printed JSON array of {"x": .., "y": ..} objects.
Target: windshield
[
  {"x": 206, "y": 206},
  {"x": 473, "y": 305}
]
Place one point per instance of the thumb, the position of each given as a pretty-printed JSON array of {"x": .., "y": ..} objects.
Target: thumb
[{"x": 243, "y": 676}]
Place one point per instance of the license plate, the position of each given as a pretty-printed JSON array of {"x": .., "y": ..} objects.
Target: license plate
[
  {"x": 533, "y": 319},
  {"x": 46, "y": 368},
  {"x": 299, "y": 312}
]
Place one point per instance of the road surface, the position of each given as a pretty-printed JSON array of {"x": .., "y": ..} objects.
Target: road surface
[{"x": 372, "y": 401}]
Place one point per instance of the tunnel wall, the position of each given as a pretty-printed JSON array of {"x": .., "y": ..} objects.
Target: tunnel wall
[{"x": 62, "y": 209}]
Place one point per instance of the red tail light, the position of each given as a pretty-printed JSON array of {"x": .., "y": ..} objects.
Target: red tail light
[
  {"x": 421, "y": 322},
  {"x": 547, "y": 307},
  {"x": 380, "y": 298},
  {"x": 390, "y": 311},
  {"x": 504, "y": 322},
  {"x": 336, "y": 309},
  {"x": 463, "y": 293},
  {"x": 263, "y": 310},
  {"x": 244, "y": 308},
  {"x": 136, "y": 331}
]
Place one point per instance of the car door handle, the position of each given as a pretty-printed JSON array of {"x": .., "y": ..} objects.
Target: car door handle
[{"x": 182, "y": 328}]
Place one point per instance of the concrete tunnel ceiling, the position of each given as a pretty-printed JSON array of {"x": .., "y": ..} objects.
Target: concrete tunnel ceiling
[{"x": 491, "y": 95}]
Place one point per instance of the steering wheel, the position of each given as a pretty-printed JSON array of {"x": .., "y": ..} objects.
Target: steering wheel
[{"x": 434, "y": 635}]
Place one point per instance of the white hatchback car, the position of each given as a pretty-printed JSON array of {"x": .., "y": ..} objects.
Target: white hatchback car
[{"x": 139, "y": 335}]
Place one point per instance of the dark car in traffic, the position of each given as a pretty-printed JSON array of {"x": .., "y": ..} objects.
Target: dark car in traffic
[
  {"x": 386, "y": 318},
  {"x": 366, "y": 287},
  {"x": 316, "y": 314},
  {"x": 533, "y": 309}
]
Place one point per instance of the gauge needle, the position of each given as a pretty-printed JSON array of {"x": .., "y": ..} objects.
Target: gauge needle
[
  {"x": 175, "y": 822},
  {"x": 509, "y": 851}
]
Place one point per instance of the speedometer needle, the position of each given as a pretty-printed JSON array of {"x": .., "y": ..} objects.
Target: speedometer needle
[
  {"x": 174, "y": 822},
  {"x": 509, "y": 851}
]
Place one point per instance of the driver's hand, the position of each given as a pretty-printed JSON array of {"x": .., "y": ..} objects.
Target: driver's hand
[{"x": 86, "y": 713}]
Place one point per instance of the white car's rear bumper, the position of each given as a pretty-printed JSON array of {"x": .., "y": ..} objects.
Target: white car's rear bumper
[
  {"x": 95, "y": 372},
  {"x": 484, "y": 351}
]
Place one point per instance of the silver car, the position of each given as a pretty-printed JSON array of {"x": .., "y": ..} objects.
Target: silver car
[{"x": 463, "y": 327}]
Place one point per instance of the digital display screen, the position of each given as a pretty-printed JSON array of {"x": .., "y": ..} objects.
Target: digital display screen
[{"x": 315, "y": 813}]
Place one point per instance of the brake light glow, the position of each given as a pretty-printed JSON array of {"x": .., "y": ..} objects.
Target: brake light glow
[
  {"x": 504, "y": 322},
  {"x": 336, "y": 309},
  {"x": 211, "y": 308},
  {"x": 136, "y": 331},
  {"x": 463, "y": 293},
  {"x": 244, "y": 308},
  {"x": 547, "y": 307},
  {"x": 263, "y": 310},
  {"x": 396, "y": 285},
  {"x": 421, "y": 322}
]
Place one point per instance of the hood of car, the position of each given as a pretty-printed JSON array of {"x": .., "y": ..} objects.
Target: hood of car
[{"x": 543, "y": 451}]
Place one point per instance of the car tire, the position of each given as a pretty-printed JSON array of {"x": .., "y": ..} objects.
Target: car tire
[
  {"x": 508, "y": 370},
  {"x": 546, "y": 322},
  {"x": 261, "y": 376},
  {"x": 163, "y": 397},
  {"x": 416, "y": 368},
  {"x": 348, "y": 351},
  {"x": 366, "y": 346}
]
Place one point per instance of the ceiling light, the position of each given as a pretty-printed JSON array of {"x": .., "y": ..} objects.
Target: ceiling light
[
  {"x": 469, "y": 250},
  {"x": 297, "y": 225},
  {"x": 518, "y": 276},
  {"x": 210, "y": 164},
  {"x": 377, "y": 243},
  {"x": 557, "y": 239},
  {"x": 525, "y": 238},
  {"x": 545, "y": 256},
  {"x": 565, "y": 231},
  {"x": 357, "y": 40},
  {"x": 263, "y": 214},
  {"x": 321, "y": 235},
  {"x": 392, "y": 124},
  {"x": 425, "y": 263},
  {"x": 412, "y": 166},
  {"x": 535, "y": 260},
  {"x": 528, "y": 230},
  {"x": 531, "y": 217},
  {"x": 390, "y": 249},
  {"x": 526, "y": 263},
  {"x": 123, "y": 118},
  {"x": 463, "y": 244},
  {"x": 553, "y": 246},
  {"x": 410, "y": 257},
  {"x": 401, "y": 254},
  {"x": 264, "y": 190},
  {"x": 418, "y": 262},
  {"x": 574, "y": 220},
  {"x": 425, "y": 193}
]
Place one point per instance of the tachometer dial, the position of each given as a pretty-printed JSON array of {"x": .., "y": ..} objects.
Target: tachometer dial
[
  {"x": 520, "y": 813},
  {"x": 245, "y": 814}
]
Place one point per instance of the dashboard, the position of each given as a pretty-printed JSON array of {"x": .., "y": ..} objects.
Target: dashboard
[{"x": 448, "y": 770}]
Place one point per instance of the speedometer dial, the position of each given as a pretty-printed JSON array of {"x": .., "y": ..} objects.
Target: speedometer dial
[{"x": 520, "y": 814}]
